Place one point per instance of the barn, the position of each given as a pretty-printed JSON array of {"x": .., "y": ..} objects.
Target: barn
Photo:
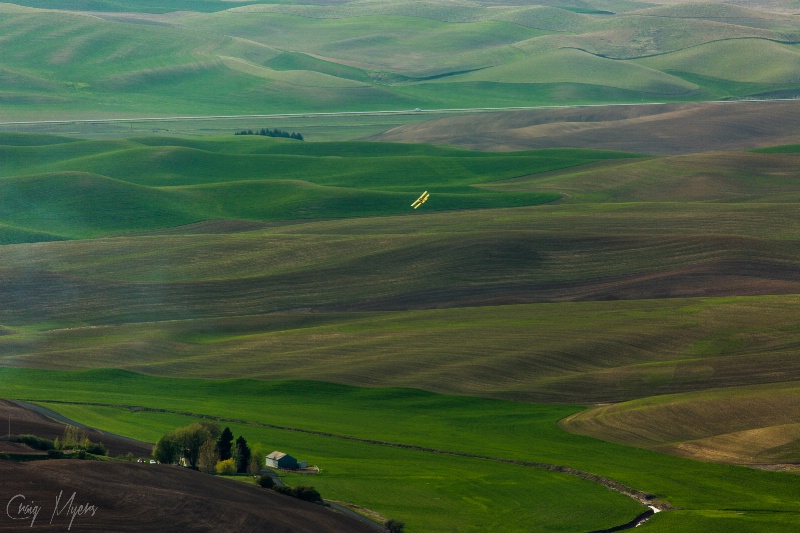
[{"x": 281, "y": 460}]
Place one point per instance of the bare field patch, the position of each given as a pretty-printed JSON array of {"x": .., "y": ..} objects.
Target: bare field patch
[{"x": 740, "y": 425}]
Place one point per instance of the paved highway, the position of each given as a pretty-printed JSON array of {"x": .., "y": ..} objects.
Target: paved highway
[{"x": 359, "y": 113}]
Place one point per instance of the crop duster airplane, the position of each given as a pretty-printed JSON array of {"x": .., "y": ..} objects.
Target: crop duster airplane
[{"x": 421, "y": 200}]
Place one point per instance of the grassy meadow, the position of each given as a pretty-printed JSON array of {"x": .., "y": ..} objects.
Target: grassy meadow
[{"x": 428, "y": 490}]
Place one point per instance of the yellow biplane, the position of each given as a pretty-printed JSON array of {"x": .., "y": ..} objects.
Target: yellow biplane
[{"x": 421, "y": 200}]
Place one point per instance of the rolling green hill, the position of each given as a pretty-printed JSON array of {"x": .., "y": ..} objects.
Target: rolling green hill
[
  {"x": 138, "y": 6},
  {"x": 81, "y": 189},
  {"x": 138, "y": 58},
  {"x": 743, "y": 14},
  {"x": 76, "y": 203},
  {"x": 576, "y": 66},
  {"x": 741, "y": 60}
]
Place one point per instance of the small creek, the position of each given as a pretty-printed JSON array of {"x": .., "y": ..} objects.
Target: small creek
[{"x": 636, "y": 522}]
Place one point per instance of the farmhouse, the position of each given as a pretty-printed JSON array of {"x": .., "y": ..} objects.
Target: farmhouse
[{"x": 281, "y": 460}]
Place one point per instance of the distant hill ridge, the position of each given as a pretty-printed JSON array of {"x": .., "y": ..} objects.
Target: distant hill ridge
[{"x": 139, "y": 58}]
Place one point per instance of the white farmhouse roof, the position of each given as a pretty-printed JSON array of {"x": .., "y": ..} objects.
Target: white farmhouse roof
[{"x": 276, "y": 455}]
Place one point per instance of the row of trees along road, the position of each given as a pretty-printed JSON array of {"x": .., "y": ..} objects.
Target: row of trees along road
[
  {"x": 272, "y": 133},
  {"x": 204, "y": 446}
]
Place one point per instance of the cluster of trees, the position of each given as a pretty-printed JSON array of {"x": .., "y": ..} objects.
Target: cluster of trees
[
  {"x": 204, "y": 446},
  {"x": 74, "y": 440},
  {"x": 35, "y": 442},
  {"x": 309, "y": 494},
  {"x": 271, "y": 133},
  {"x": 395, "y": 526}
]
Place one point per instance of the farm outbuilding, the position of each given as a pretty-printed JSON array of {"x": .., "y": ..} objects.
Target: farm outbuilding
[{"x": 281, "y": 460}]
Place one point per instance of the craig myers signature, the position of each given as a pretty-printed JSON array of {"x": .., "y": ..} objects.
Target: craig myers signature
[{"x": 19, "y": 508}]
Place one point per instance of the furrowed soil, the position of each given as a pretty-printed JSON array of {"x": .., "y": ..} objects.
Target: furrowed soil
[{"x": 137, "y": 497}]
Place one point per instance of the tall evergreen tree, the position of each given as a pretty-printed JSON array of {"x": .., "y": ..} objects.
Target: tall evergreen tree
[
  {"x": 225, "y": 444},
  {"x": 241, "y": 455}
]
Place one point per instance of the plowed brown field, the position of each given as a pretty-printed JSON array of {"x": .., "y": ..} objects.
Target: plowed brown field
[{"x": 652, "y": 129}]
